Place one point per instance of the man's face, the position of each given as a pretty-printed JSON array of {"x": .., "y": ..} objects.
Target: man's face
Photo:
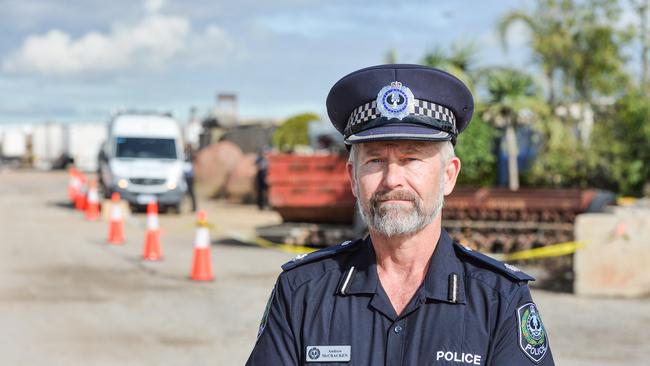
[{"x": 400, "y": 185}]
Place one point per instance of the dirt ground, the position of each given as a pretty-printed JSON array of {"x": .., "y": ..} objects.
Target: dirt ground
[{"x": 68, "y": 298}]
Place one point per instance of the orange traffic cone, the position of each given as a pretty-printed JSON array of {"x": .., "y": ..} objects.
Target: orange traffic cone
[
  {"x": 152, "y": 250},
  {"x": 116, "y": 225},
  {"x": 80, "y": 201},
  {"x": 92, "y": 207},
  {"x": 202, "y": 261},
  {"x": 73, "y": 184}
]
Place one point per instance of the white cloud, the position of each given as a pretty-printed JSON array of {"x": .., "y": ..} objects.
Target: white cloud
[
  {"x": 153, "y": 6},
  {"x": 208, "y": 47},
  {"x": 152, "y": 42}
]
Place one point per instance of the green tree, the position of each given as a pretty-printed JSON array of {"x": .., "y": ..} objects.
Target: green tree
[
  {"x": 578, "y": 45},
  {"x": 475, "y": 148},
  {"x": 562, "y": 161},
  {"x": 597, "y": 61},
  {"x": 513, "y": 100},
  {"x": 293, "y": 132},
  {"x": 476, "y": 145},
  {"x": 621, "y": 145},
  {"x": 616, "y": 159}
]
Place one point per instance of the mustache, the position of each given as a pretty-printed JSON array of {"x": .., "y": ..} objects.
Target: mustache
[{"x": 393, "y": 195}]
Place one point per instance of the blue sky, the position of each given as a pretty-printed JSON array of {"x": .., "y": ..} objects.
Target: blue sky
[{"x": 76, "y": 61}]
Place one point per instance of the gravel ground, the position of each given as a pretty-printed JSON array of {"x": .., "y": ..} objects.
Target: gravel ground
[{"x": 67, "y": 298}]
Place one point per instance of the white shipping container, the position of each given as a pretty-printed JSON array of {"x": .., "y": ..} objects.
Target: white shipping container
[
  {"x": 13, "y": 143},
  {"x": 47, "y": 144},
  {"x": 84, "y": 141}
]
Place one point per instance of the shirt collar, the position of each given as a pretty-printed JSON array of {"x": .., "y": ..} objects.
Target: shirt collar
[
  {"x": 436, "y": 286},
  {"x": 365, "y": 278}
]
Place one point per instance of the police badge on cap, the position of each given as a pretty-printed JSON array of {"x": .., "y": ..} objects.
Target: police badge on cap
[
  {"x": 399, "y": 102},
  {"x": 395, "y": 101}
]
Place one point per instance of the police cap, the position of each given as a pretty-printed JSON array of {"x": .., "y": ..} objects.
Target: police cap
[{"x": 399, "y": 102}]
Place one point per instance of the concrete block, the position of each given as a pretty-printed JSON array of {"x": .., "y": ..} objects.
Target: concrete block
[{"x": 616, "y": 259}]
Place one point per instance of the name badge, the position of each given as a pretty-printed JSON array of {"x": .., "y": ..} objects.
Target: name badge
[{"x": 328, "y": 353}]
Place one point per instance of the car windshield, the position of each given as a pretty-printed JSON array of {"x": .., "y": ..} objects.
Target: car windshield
[{"x": 148, "y": 148}]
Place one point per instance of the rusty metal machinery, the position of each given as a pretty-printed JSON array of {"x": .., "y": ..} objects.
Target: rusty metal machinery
[{"x": 497, "y": 220}]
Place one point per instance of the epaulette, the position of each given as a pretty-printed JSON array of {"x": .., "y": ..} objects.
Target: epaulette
[
  {"x": 301, "y": 259},
  {"x": 504, "y": 268}
]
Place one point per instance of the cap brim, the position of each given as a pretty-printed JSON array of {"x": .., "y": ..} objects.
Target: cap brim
[{"x": 398, "y": 131}]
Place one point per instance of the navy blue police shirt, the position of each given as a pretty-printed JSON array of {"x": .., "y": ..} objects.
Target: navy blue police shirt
[{"x": 329, "y": 308}]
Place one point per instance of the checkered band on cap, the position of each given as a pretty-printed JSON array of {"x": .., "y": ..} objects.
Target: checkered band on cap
[{"x": 368, "y": 112}]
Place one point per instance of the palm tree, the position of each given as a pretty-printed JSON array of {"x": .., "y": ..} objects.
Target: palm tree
[
  {"x": 459, "y": 61},
  {"x": 550, "y": 27},
  {"x": 579, "y": 46},
  {"x": 513, "y": 101}
]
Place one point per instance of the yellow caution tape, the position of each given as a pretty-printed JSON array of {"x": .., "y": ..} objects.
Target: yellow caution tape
[
  {"x": 263, "y": 243},
  {"x": 194, "y": 224},
  {"x": 555, "y": 250},
  {"x": 288, "y": 248},
  {"x": 626, "y": 201}
]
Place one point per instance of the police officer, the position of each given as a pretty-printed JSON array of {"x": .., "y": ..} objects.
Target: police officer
[{"x": 407, "y": 294}]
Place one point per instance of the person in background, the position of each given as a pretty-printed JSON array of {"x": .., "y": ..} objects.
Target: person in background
[
  {"x": 261, "y": 188},
  {"x": 188, "y": 172}
]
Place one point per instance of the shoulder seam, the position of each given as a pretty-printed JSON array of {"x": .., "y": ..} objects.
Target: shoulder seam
[
  {"x": 492, "y": 287},
  {"x": 488, "y": 262},
  {"x": 314, "y": 257},
  {"x": 512, "y": 296},
  {"x": 294, "y": 286}
]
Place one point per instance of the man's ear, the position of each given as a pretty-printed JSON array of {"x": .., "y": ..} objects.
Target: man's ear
[
  {"x": 350, "y": 169},
  {"x": 451, "y": 171}
]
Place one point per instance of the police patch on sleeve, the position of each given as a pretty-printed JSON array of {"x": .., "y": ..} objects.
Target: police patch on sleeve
[
  {"x": 265, "y": 316},
  {"x": 533, "y": 340}
]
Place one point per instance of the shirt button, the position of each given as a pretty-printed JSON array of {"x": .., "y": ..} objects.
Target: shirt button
[{"x": 398, "y": 329}]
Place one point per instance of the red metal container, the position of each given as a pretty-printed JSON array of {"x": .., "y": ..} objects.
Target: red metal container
[
  {"x": 288, "y": 168},
  {"x": 312, "y": 188}
]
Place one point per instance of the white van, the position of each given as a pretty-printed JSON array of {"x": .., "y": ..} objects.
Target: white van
[{"x": 143, "y": 160}]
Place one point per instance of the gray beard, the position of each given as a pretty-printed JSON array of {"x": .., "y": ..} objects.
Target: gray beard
[{"x": 396, "y": 219}]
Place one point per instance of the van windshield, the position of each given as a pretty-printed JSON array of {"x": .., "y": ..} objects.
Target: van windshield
[{"x": 147, "y": 148}]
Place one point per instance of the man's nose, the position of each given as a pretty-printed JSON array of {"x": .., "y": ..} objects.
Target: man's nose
[{"x": 393, "y": 175}]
